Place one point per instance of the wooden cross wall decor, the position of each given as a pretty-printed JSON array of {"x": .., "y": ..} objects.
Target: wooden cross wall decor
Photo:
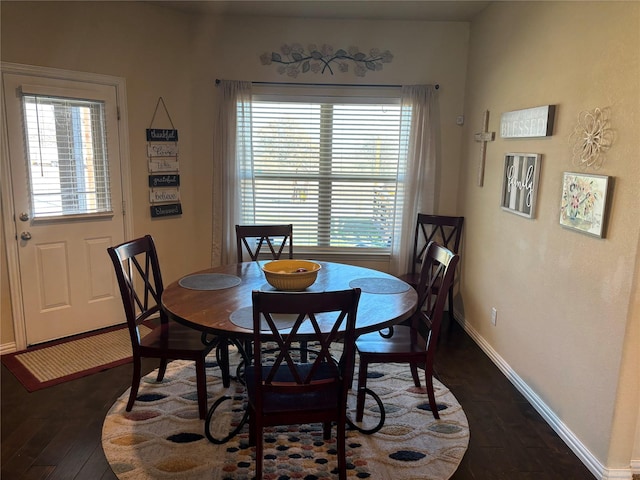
[{"x": 484, "y": 136}]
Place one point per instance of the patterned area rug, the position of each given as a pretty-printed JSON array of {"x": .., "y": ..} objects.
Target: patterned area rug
[{"x": 162, "y": 437}]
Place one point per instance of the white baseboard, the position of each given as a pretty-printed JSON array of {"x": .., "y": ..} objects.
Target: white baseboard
[{"x": 592, "y": 463}]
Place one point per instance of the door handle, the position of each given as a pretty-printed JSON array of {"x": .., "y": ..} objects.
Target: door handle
[
  {"x": 24, "y": 216},
  {"x": 25, "y": 236}
]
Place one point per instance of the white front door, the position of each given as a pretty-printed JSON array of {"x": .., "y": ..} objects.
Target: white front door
[{"x": 63, "y": 145}]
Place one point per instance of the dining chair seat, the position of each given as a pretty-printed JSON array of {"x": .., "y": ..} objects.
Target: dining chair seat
[
  {"x": 295, "y": 402},
  {"x": 173, "y": 336},
  {"x": 401, "y": 342}
]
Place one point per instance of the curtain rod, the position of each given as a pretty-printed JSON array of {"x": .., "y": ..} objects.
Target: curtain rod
[{"x": 436, "y": 86}]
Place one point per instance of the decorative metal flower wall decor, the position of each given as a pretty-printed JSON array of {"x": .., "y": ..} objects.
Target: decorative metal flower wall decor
[
  {"x": 590, "y": 139},
  {"x": 294, "y": 59}
]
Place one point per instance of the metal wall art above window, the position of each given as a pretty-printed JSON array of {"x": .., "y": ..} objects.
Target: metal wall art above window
[{"x": 295, "y": 59}]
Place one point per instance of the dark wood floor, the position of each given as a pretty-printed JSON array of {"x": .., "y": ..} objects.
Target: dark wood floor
[{"x": 55, "y": 433}]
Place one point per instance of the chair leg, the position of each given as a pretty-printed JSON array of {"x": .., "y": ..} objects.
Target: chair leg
[
  {"x": 450, "y": 305},
  {"x": 362, "y": 383},
  {"x": 162, "y": 369},
  {"x": 222, "y": 355},
  {"x": 248, "y": 348},
  {"x": 341, "y": 447},
  {"x": 135, "y": 382},
  {"x": 259, "y": 453},
  {"x": 414, "y": 373},
  {"x": 201, "y": 386},
  {"x": 326, "y": 430},
  {"x": 428, "y": 371},
  {"x": 252, "y": 426}
]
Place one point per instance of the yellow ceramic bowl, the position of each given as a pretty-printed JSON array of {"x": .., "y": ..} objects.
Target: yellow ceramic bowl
[{"x": 291, "y": 275}]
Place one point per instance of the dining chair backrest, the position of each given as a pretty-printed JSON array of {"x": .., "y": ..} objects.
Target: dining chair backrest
[
  {"x": 277, "y": 238},
  {"x": 445, "y": 230},
  {"x": 140, "y": 281},
  {"x": 436, "y": 276},
  {"x": 331, "y": 315}
]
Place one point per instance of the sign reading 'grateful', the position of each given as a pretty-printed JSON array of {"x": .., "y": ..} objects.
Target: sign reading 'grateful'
[
  {"x": 162, "y": 135},
  {"x": 164, "y": 181}
]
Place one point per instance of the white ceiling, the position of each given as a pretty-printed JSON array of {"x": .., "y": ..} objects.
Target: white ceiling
[{"x": 450, "y": 10}]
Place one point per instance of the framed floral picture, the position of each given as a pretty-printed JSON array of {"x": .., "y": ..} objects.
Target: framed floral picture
[{"x": 584, "y": 202}]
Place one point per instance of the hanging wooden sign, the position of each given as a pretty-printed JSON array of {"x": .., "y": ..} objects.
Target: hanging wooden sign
[
  {"x": 162, "y": 135},
  {"x": 164, "y": 195},
  {"x": 164, "y": 181},
  {"x": 166, "y": 210},
  {"x": 162, "y": 153},
  {"x": 162, "y": 150},
  {"x": 163, "y": 165},
  {"x": 528, "y": 123}
]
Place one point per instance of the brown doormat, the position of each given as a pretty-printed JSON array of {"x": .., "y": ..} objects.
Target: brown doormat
[{"x": 56, "y": 362}]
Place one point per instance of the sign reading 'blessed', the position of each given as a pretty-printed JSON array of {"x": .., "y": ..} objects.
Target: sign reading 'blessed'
[{"x": 527, "y": 123}]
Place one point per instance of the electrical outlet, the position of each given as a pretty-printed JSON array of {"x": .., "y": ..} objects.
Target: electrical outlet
[{"x": 494, "y": 316}]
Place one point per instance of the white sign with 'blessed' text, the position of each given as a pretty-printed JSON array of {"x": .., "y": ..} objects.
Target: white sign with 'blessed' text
[{"x": 527, "y": 123}]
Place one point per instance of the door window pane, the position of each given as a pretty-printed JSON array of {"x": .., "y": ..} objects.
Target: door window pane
[{"x": 67, "y": 155}]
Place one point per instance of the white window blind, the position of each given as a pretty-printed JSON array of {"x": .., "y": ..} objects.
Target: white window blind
[
  {"x": 67, "y": 155},
  {"x": 329, "y": 166}
]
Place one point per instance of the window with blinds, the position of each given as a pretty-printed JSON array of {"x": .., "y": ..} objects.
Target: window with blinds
[
  {"x": 67, "y": 155},
  {"x": 329, "y": 167}
]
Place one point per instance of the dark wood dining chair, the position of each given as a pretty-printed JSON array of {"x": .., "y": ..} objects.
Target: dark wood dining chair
[
  {"x": 281, "y": 389},
  {"x": 416, "y": 343},
  {"x": 138, "y": 272},
  {"x": 278, "y": 239},
  {"x": 446, "y": 231}
]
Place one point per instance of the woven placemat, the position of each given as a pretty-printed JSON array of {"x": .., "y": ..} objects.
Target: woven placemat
[
  {"x": 243, "y": 317},
  {"x": 379, "y": 285},
  {"x": 209, "y": 281}
]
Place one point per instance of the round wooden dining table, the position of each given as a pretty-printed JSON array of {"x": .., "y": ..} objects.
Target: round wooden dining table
[{"x": 218, "y": 300}]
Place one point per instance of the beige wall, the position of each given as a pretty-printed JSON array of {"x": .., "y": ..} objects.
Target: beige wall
[
  {"x": 564, "y": 299},
  {"x": 163, "y": 53},
  {"x": 423, "y": 53},
  {"x": 149, "y": 47}
]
